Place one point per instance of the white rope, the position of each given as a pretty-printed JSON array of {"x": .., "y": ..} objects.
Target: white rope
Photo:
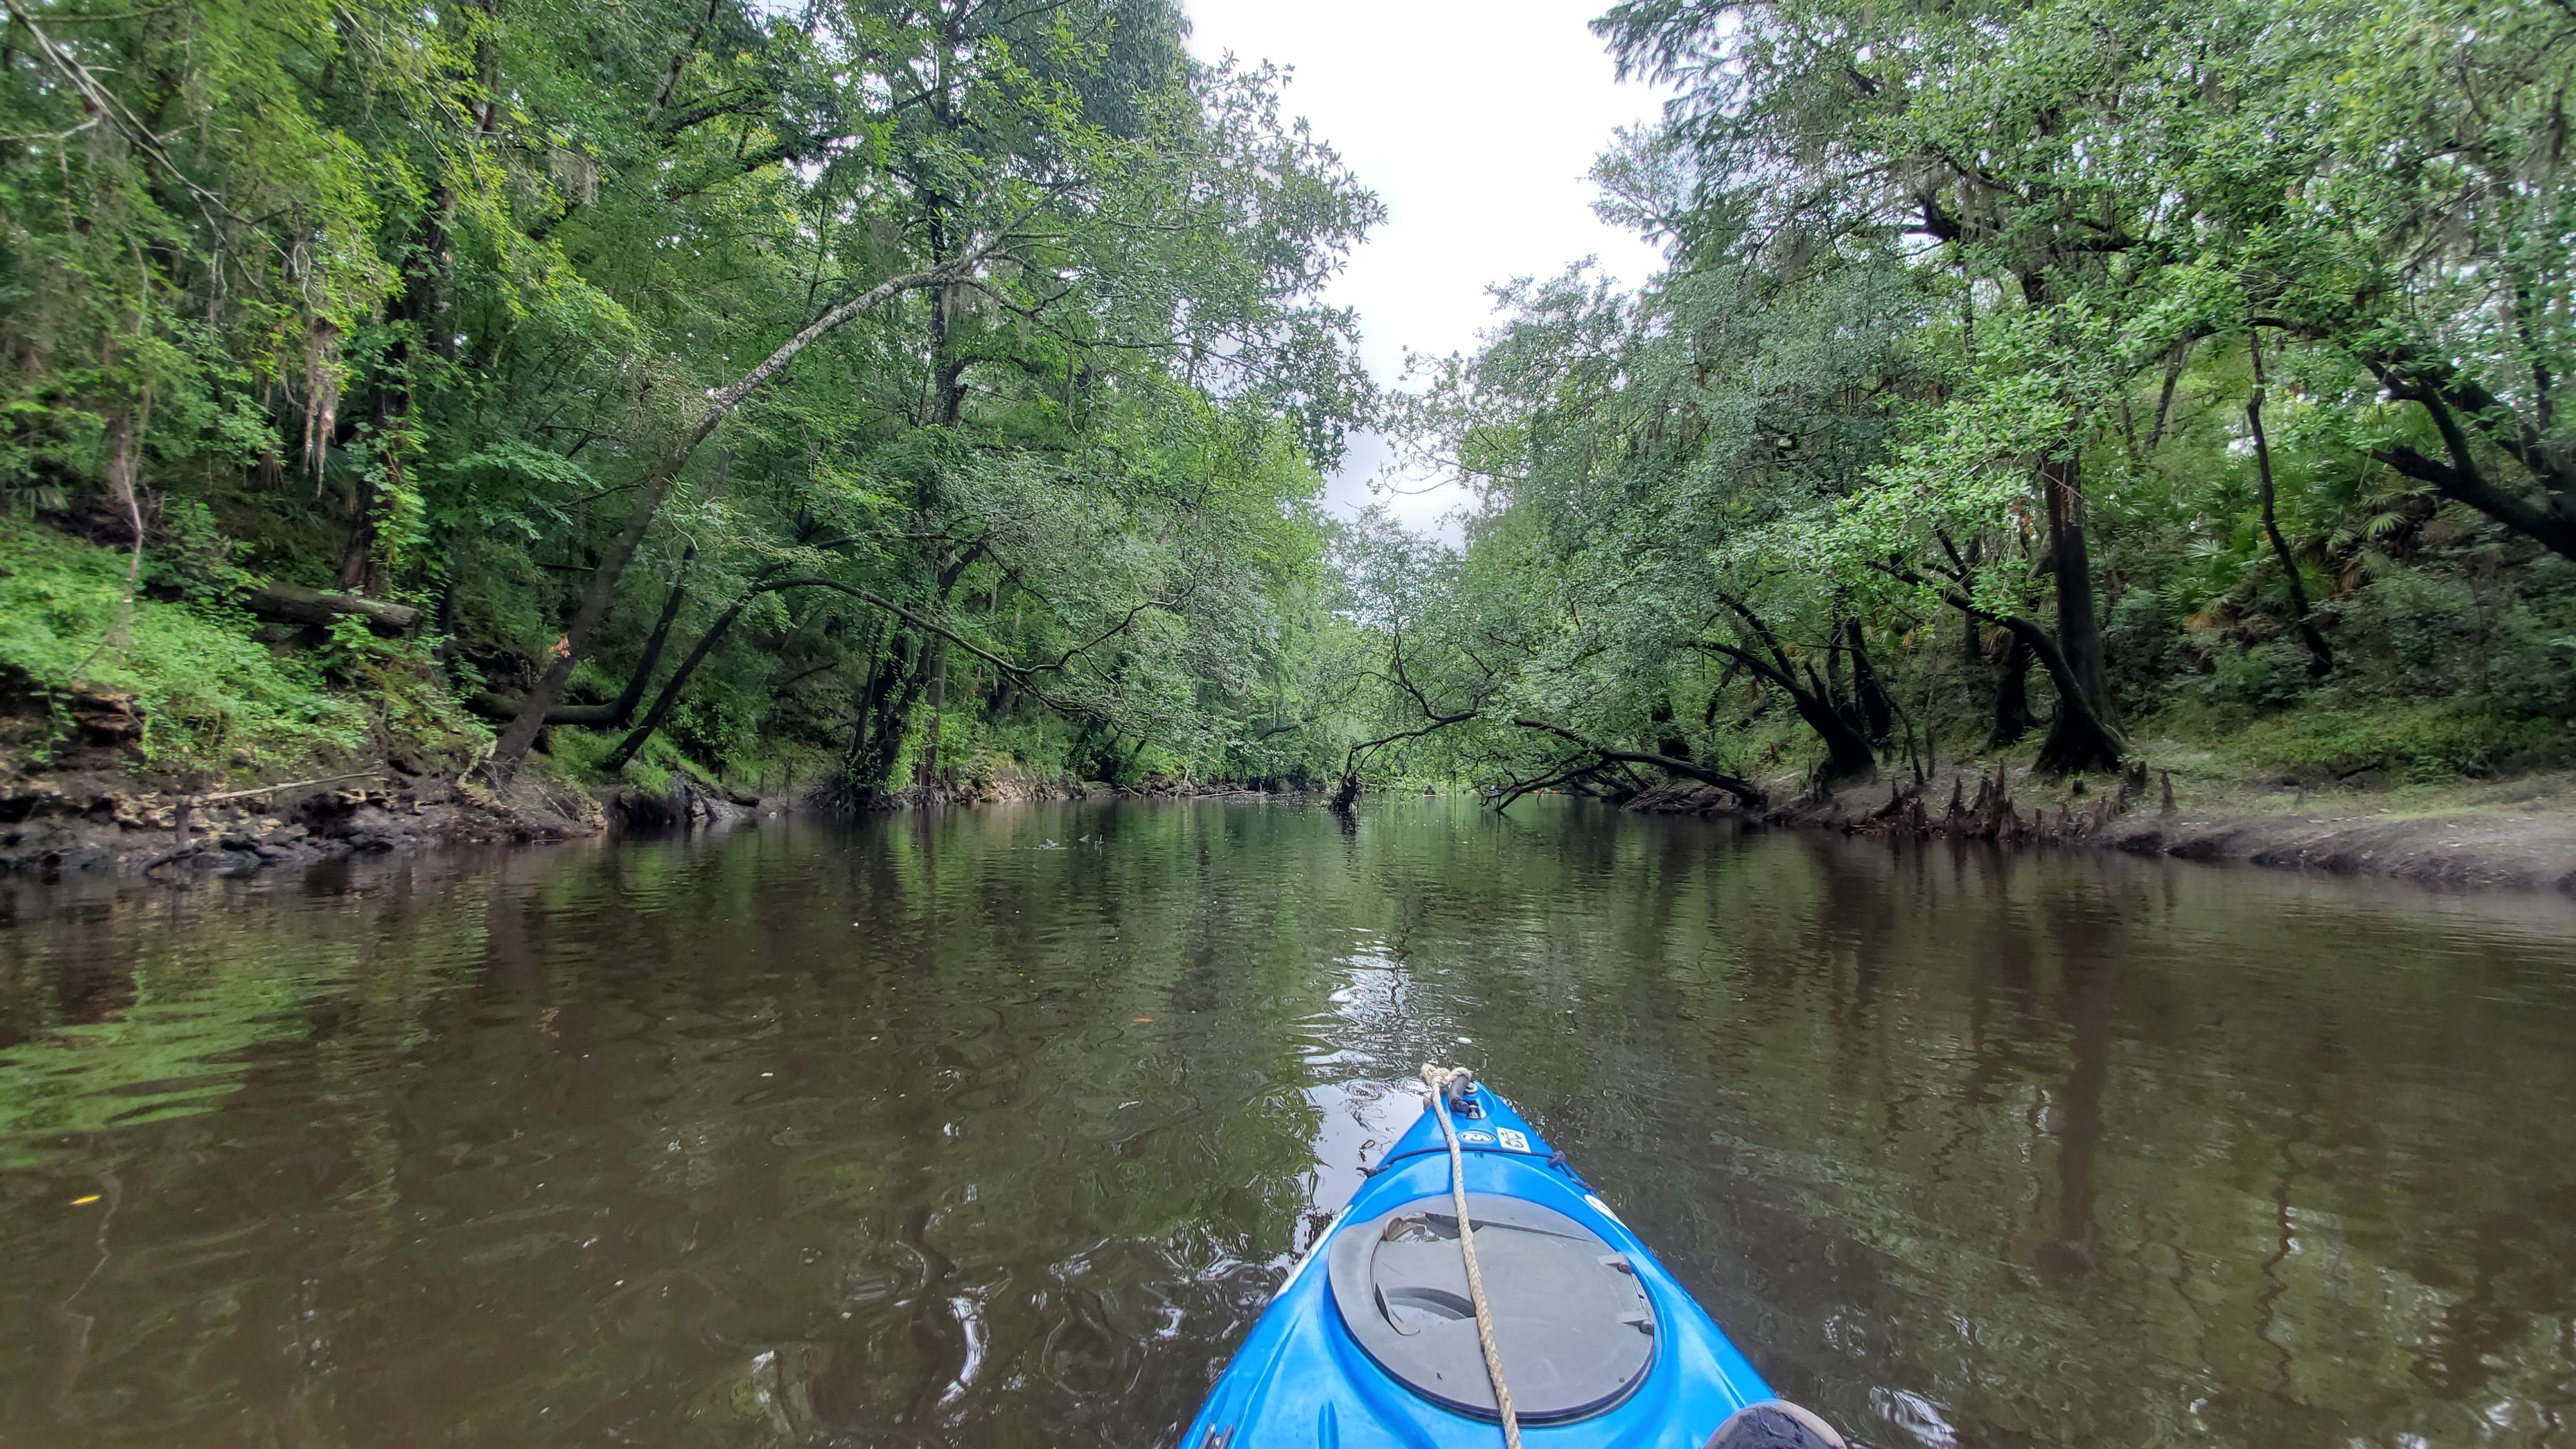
[{"x": 1438, "y": 1080}]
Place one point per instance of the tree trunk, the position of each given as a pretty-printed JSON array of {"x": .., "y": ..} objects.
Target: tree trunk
[
  {"x": 948, "y": 372},
  {"x": 610, "y": 716},
  {"x": 2076, "y": 719},
  {"x": 1743, "y": 790},
  {"x": 880, "y": 737},
  {"x": 1975, "y": 668},
  {"x": 926, "y": 774},
  {"x": 1668, "y": 740},
  {"x": 360, "y": 571},
  {"x": 2013, "y": 718},
  {"x": 1004, "y": 698},
  {"x": 2455, "y": 404},
  {"x": 1848, "y": 756},
  {"x": 1847, "y": 753},
  {"x": 124, "y": 461},
  {"x": 679, "y": 680},
  {"x": 446, "y": 617},
  {"x": 654, "y": 643},
  {"x": 2320, "y": 658},
  {"x": 656, "y": 486},
  {"x": 2175, "y": 357},
  {"x": 2082, "y": 739},
  {"x": 881, "y": 643},
  {"x": 895, "y": 725},
  {"x": 296, "y": 604},
  {"x": 2079, "y": 742},
  {"x": 1877, "y": 715}
]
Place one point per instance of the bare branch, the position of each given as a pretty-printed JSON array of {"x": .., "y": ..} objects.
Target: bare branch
[{"x": 1745, "y": 791}]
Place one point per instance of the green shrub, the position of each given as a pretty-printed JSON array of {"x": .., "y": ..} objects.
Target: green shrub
[
  {"x": 2244, "y": 683},
  {"x": 2421, "y": 743},
  {"x": 2143, "y": 636},
  {"x": 207, "y": 691}
]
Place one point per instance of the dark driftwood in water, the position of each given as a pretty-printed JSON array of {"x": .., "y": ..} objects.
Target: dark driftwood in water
[{"x": 295, "y": 604}]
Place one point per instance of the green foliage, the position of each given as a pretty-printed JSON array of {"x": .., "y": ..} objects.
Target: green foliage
[
  {"x": 426, "y": 304},
  {"x": 1957, "y": 348},
  {"x": 204, "y": 689},
  {"x": 2425, "y": 744},
  {"x": 509, "y": 312}
]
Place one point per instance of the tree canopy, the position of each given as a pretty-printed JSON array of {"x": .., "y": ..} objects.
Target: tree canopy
[
  {"x": 893, "y": 349},
  {"x": 922, "y": 389},
  {"x": 2199, "y": 359}
]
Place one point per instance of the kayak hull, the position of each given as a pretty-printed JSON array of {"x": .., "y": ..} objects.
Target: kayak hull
[{"x": 1301, "y": 1379}]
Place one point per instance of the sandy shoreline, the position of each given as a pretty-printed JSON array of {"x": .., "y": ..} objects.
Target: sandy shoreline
[
  {"x": 2520, "y": 836},
  {"x": 2513, "y": 834}
]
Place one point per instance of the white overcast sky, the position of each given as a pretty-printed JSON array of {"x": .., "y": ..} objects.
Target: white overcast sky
[{"x": 1476, "y": 121}]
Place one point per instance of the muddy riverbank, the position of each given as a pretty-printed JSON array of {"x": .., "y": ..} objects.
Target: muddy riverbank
[
  {"x": 109, "y": 821},
  {"x": 81, "y": 823},
  {"x": 2512, "y": 834},
  {"x": 109, "y": 817}
]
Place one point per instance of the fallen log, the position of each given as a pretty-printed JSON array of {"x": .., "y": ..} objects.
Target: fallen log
[
  {"x": 295, "y": 604},
  {"x": 493, "y": 705}
]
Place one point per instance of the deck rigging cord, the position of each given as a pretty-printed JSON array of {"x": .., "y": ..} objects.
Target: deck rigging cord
[{"x": 1440, "y": 1079}]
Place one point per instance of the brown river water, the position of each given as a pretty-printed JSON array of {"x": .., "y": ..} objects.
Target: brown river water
[{"x": 997, "y": 1128}]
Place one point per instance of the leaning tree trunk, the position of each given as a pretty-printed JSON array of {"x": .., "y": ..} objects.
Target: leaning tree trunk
[
  {"x": 884, "y": 659},
  {"x": 634, "y": 742},
  {"x": 1669, "y": 739},
  {"x": 655, "y": 486},
  {"x": 2075, "y": 716},
  {"x": 2320, "y": 655},
  {"x": 2079, "y": 739},
  {"x": 1848, "y": 755}
]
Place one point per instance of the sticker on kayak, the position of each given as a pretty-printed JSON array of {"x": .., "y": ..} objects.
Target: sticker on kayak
[
  {"x": 1474, "y": 1136},
  {"x": 1516, "y": 1141}
]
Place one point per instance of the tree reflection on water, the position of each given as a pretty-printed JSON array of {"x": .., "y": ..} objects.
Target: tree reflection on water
[{"x": 910, "y": 1132}]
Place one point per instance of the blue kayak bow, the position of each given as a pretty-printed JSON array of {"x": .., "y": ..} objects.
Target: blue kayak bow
[{"x": 1476, "y": 1283}]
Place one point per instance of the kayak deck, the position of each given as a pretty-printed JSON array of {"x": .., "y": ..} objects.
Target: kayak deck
[{"x": 1303, "y": 1378}]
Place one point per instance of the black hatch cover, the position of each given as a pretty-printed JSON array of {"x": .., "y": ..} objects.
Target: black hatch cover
[{"x": 1575, "y": 1329}]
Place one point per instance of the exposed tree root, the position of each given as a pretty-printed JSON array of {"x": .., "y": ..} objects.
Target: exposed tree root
[{"x": 1989, "y": 814}]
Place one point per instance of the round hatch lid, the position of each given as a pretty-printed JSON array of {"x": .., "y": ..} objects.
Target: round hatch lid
[{"x": 1576, "y": 1331}]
